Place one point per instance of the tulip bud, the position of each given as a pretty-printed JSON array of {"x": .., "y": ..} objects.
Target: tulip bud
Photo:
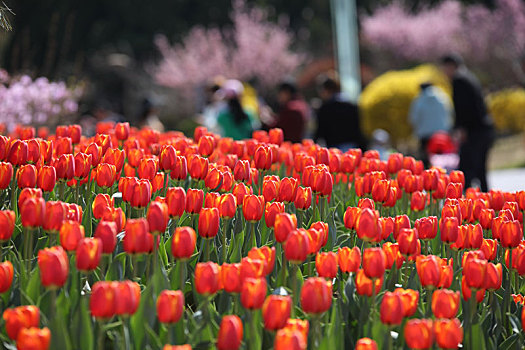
[
  {"x": 32, "y": 212},
  {"x": 137, "y": 239},
  {"x": 374, "y": 261},
  {"x": 326, "y": 264},
  {"x": 349, "y": 259},
  {"x": 365, "y": 344},
  {"x": 183, "y": 243},
  {"x": 54, "y": 267},
  {"x": 71, "y": 232},
  {"x": 230, "y": 333},
  {"x": 7, "y": 224},
  {"x": 19, "y": 318},
  {"x": 276, "y": 311},
  {"x": 207, "y": 278},
  {"x": 316, "y": 295},
  {"x": 230, "y": 277},
  {"x": 89, "y": 251},
  {"x": 157, "y": 217},
  {"x": 227, "y": 205},
  {"x": 449, "y": 333},
  {"x": 33, "y": 339},
  {"x": 170, "y": 306},
  {"x": 364, "y": 285},
  {"x": 253, "y": 292},
  {"x": 103, "y": 300},
  {"x": 26, "y": 176},
  {"x": 6, "y": 276},
  {"x": 296, "y": 246},
  {"x": 101, "y": 204},
  {"x": 106, "y": 231},
  {"x": 176, "y": 201},
  {"x": 419, "y": 334},
  {"x": 391, "y": 310},
  {"x": 283, "y": 225},
  {"x": 409, "y": 299},
  {"x": 194, "y": 200},
  {"x": 209, "y": 222}
]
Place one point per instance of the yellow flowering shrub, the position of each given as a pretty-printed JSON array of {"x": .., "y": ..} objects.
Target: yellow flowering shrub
[
  {"x": 507, "y": 108},
  {"x": 385, "y": 102}
]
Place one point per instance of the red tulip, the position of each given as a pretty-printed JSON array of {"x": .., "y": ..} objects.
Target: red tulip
[
  {"x": 326, "y": 264},
  {"x": 271, "y": 211},
  {"x": 26, "y": 176},
  {"x": 409, "y": 299},
  {"x": 54, "y": 267},
  {"x": 194, "y": 200},
  {"x": 253, "y": 292},
  {"x": 103, "y": 300},
  {"x": 366, "y": 344},
  {"x": 197, "y": 167},
  {"x": 316, "y": 295},
  {"x": 106, "y": 231},
  {"x": 391, "y": 310},
  {"x": 227, "y": 205},
  {"x": 207, "y": 278},
  {"x": 7, "y": 224},
  {"x": 137, "y": 239},
  {"x": 20, "y": 318},
  {"x": 176, "y": 201},
  {"x": 170, "y": 306},
  {"x": 71, "y": 232},
  {"x": 230, "y": 333},
  {"x": 157, "y": 217},
  {"x": 230, "y": 277},
  {"x": 419, "y": 334},
  {"x": 374, "y": 260},
  {"x": 32, "y": 212},
  {"x": 296, "y": 246},
  {"x": 364, "y": 285},
  {"x": 88, "y": 253},
  {"x": 349, "y": 259},
  {"x": 209, "y": 222},
  {"x": 6, "y": 174},
  {"x": 253, "y": 207},
  {"x": 449, "y": 333},
  {"x": 33, "y": 339},
  {"x": 183, "y": 243}
]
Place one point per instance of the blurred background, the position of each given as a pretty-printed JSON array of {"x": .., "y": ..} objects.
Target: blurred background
[{"x": 70, "y": 60}]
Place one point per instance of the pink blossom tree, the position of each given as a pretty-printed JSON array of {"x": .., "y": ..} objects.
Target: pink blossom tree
[
  {"x": 479, "y": 33},
  {"x": 253, "y": 48}
]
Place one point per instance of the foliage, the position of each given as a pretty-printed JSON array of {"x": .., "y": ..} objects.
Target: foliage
[
  {"x": 39, "y": 101},
  {"x": 255, "y": 48},
  {"x": 385, "y": 102},
  {"x": 507, "y": 108}
]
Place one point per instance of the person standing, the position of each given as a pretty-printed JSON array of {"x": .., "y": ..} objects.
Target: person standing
[
  {"x": 233, "y": 121},
  {"x": 293, "y": 113},
  {"x": 338, "y": 119},
  {"x": 473, "y": 126},
  {"x": 430, "y": 112}
]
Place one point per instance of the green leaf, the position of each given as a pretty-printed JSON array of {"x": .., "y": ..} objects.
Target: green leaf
[
  {"x": 137, "y": 320},
  {"x": 33, "y": 286}
]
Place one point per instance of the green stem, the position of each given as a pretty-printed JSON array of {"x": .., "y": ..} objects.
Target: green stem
[
  {"x": 101, "y": 335},
  {"x": 206, "y": 249},
  {"x": 224, "y": 249},
  {"x": 293, "y": 282},
  {"x": 182, "y": 274}
]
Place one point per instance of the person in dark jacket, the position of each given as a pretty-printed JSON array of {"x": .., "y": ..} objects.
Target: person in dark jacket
[
  {"x": 473, "y": 125},
  {"x": 338, "y": 119},
  {"x": 293, "y": 113}
]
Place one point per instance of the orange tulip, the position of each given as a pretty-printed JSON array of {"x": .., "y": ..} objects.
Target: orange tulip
[
  {"x": 445, "y": 303},
  {"x": 6, "y": 276},
  {"x": 209, "y": 222},
  {"x": 230, "y": 333},
  {"x": 276, "y": 311},
  {"x": 26, "y": 176},
  {"x": 180, "y": 170},
  {"x": 137, "y": 239},
  {"x": 194, "y": 200},
  {"x": 400, "y": 222},
  {"x": 128, "y": 297},
  {"x": 65, "y": 167},
  {"x": 207, "y": 278},
  {"x": 96, "y": 153},
  {"x": 170, "y": 306},
  {"x": 122, "y": 131},
  {"x": 197, "y": 167},
  {"x": 157, "y": 217},
  {"x": 419, "y": 334},
  {"x": 7, "y": 224},
  {"x": 54, "y": 267},
  {"x": 88, "y": 252},
  {"x": 349, "y": 259},
  {"x": 449, "y": 229},
  {"x": 489, "y": 247},
  {"x": 106, "y": 231},
  {"x": 287, "y": 189},
  {"x": 427, "y": 227},
  {"x": 176, "y": 201},
  {"x": 253, "y": 292},
  {"x": 367, "y": 225},
  {"x": 253, "y": 207},
  {"x": 101, "y": 204},
  {"x": 147, "y": 168},
  {"x": 230, "y": 277},
  {"x": 374, "y": 261},
  {"x": 262, "y": 157},
  {"x": 485, "y": 218},
  {"x": 6, "y": 173},
  {"x": 366, "y": 344},
  {"x": 103, "y": 301},
  {"x": 449, "y": 333},
  {"x": 46, "y": 178},
  {"x": 303, "y": 198},
  {"x": 241, "y": 171},
  {"x": 289, "y": 339},
  {"x": 364, "y": 285},
  {"x": 227, "y": 205},
  {"x": 511, "y": 234},
  {"x": 266, "y": 254},
  {"x": 33, "y": 339},
  {"x": 17, "y": 152},
  {"x": 350, "y": 217},
  {"x": 183, "y": 243},
  {"x": 252, "y": 268},
  {"x": 271, "y": 211},
  {"x": 408, "y": 241},
  {"x": 467, "y": 291},
  {"x": 276, "y": 136},
  {"x": 493, "y": 277},
  {"x": 283, "y": 225},
  {"x": 211, "y": 200},
  {"x": 167, "y": 158},
  {"x": 380, "y": 190},
  {"x": 326, "y": 264},
  {"x": 214, "y": 179},
  {"x": 409, "y": 299},
  {"x": 296, "y": 246},
  {"x": 474, "y": 271},
  {"x": 19, "y": 318},
  {"x": 391, "y": 310},
  {"x": 316, "y": 295},
  {"x": 429, "y": 270},
  {"x": 270, "y": 188},
  {"x": 71, "y": 232}
]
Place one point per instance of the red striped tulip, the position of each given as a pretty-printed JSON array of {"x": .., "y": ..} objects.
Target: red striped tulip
[
  {"x": 6, "y": 276},
  {"x": 88, "y": 254},
  {"x": 253, "y": 207},
  {"x": 106, "y": 231},
  {"x": 170, "y": 306},
  {"x": 207, "y": 278},
  {"x": 183, "y": 243},
  {"x": 316, "y": 295},
  {"x": 54, "y": 267},
  {"x": 19, "y": 318},
  {"x": 71, "y": 232},
  {"x": 276, "y": 311},
  {"x": 230, "y": 333}
]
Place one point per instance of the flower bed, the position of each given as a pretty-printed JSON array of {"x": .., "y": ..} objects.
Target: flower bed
[{"x": 133, "y": 239}]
